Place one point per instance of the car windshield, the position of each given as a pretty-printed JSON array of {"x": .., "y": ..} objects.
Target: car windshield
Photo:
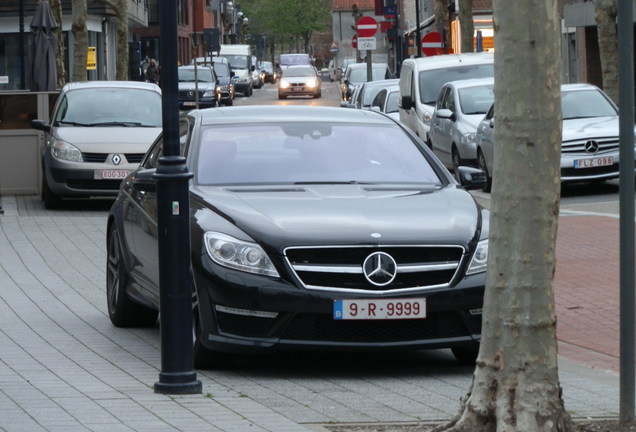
[
  {"x": 202, "y": 75},
  {"x": 291, "y": 59},
  {"x": 585, "y": 103},
  {"x": 110, "y": 107},
  {"x": 299, "y": 72},
  {"x": 221, "y": 69},
  {"x": 236, "y": 61},
  {"x": 431, "y": 81},
  {"x": 301, "y": 153},
  {"x": 476, "y": 100},
  {"x": 359, "y": 75}
]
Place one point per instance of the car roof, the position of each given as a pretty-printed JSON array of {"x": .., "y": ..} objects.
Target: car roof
[
  {"x": 361, "y": 65},
  {"x": 471, "y": 82},
  {"x": 578, "y": 86},
  {"x": 274, "y": 114},
  {"x": 381, "y": 83},
  {"x": 444, "y": 60},
  {"x": 111, "y": 84}
]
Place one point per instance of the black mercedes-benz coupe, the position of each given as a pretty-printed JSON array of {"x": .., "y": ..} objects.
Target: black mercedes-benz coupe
[{"x": 312, "y": 228}]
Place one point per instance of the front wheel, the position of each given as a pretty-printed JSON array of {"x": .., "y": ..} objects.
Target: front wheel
[
  {"x": 202, "y": 357},
  {"x": 466, "y": 355},
  {"x": 457, "y": 161},
  {"x": 122, "y": 311},
  {"x": 481, "y": 161},
  {"x": 51, "y": 201}
]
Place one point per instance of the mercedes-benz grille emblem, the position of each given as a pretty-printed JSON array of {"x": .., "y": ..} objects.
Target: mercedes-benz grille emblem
[
  {"x": 591, "y": 146},
  {"x": 116, "y": 159},
  {"x": 379, "y": 268},
  {"x": 190, "y": 93}
]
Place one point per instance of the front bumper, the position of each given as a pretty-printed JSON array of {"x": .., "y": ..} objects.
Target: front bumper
[{"x": 243, "y": 313}]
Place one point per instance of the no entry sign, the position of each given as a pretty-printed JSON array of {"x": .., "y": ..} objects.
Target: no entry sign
[
  {"x": 432, "y": 43},
  {"x": 367, "y": 26}
]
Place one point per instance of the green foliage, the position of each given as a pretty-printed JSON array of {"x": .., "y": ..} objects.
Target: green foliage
[{"x": 288, "y": 18}]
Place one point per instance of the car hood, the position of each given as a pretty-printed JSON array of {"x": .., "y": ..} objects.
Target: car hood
[
  {"x": 191, "y": 86},
  {"x": 471, "y": 121},
  {"x": 282, "y": 216},
  {"x": 108, "y": 139},
  {"x": 225, "y": 80},
  {"x": 594, "y": 127}
]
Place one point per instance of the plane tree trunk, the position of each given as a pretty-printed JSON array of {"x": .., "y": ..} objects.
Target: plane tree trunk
[{"x": 606, "y": 14}]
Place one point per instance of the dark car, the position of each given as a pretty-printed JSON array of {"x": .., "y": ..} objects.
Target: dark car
[
  {"x": 198, "y": 84},
  {"x": 311, "y": 228},
  {"x": 224, "y": 75}
]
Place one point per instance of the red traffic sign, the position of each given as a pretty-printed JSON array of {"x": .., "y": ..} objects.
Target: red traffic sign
[
  {"x": 354, "y": 42},
  {"x": 432, "y": 43},
  {"x": 367, "y": 26}
]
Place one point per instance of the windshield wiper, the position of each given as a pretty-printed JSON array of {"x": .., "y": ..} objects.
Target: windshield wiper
[
  {"x": 73, "y": 123},
  {"x": 118, "y": 123},
  {"x": 310, "y": 182}
]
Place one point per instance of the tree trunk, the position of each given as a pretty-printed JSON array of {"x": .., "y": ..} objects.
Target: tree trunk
[
  {"x": 443, "y": 23},
  {"x": 516, "y": 385},
  {"x": 122, "y": 39},
  {"x": 56, "y": 6},
  {"x": 467, "y": 25},
  {"x": 80, "y": 33},
  {"x": 606, "y": 12}
]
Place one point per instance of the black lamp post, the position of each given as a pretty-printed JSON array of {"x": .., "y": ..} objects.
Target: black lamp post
[{"x": 177, "y": 374}]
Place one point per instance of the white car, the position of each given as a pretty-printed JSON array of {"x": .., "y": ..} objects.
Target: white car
[
  {"x": 387, "y": 100},
  {"x": 590, "y": 148},
  {"x": 459, "y": 108}
]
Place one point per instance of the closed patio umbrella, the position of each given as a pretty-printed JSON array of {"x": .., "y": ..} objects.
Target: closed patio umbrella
[{"x": 42, "y": 47}]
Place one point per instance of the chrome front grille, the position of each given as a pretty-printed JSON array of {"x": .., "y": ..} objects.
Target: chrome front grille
[
  {"x": 340, "y": 268},
  {"x": 605, "y": 144}
]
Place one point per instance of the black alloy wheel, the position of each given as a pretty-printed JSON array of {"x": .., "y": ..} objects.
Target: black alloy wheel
[
  {"x": 202, "y": 357},
  {"x": 51, "y": 201},
  {"x": 123, "y": 312},
  {"x": 481, "y": 161}
]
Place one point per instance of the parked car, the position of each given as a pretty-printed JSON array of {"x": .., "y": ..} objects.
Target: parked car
[
  {"x": 459, "y": 108},
  {"x": 368, "y": 90},
  {"x": 422, "y": 78},
  {"x": 98, "y": 133},
  {"x": 387, "y": 100},
  {"x": 590, "y": 134},
  {"x": 198, "y": 85},
  {"x": 271, "y": 74},
  {"x": 299, "y": 80},
  {"x": 356, "y": 74},
  {"x": 312, "y": 228},
  {"x": 258, "y": 76}
]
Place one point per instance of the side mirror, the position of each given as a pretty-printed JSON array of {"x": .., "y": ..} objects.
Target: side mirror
[
  {"x": 41, "y": 125},
  {"x": 407, "y": 102},
  {"x": 445, "y": 113},
  {"x": 471, "y": 178}
]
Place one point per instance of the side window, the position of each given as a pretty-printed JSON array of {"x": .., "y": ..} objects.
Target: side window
[
  {"x": 450, "y": 100},
  {"x": 379, "y": 100},
  {"x": 442, "y": 99}
]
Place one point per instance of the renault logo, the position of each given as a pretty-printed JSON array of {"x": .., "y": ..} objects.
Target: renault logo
[
  {"x": 116, "y": 159},
  {"x": 591, "y": 146},
  {"x": 379, "y": 268}
]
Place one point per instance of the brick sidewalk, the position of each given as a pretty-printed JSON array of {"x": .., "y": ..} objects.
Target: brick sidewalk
[{"x": 587, "y": 290}]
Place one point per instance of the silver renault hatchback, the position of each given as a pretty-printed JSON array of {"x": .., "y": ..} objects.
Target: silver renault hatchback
[{"x": 98, "y": 133}]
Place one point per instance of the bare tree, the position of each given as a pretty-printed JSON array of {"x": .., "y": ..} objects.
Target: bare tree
[
  {"x": 56, "y": 7},
  {"x": 516, "y": 385},
  {"x": 466, "y": 24},
  {"x": 606, "y": 13},
  {"x": 80, "y": 34},
  {"x": 120, "y": 8}
]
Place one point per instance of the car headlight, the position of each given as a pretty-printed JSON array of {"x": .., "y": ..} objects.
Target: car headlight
[
  {"x": 426, "y": 118},
  {"x": 468, "y": 138},
  {"x": 284, "y": 84},
  {"x": 209, "y": 93},
  {"x": 238, "y": 254},
  {"x": 65, "y": 151},
  {"x": 311, "y": 83},
  {"x": 480, "y": 258}
]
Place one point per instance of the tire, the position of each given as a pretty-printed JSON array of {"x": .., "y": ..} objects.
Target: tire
[
  {"x": 466, "y": 356},
  {"x": 280, "y": 96},
  {"x": 456, "y": 161},
  {"x": 123, "y": 312},
  {"x": 481, "y": 161},
  {"x": 51, "y": 201},
  {"x": 229, "y": 102},
  {"x": 202, "y": 357}
]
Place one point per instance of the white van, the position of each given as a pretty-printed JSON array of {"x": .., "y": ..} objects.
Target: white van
[
  {"x": 422, "y": 78},
  {"x": 240, "y": 58}
]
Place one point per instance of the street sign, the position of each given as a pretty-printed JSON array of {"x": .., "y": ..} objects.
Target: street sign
[
  {"x": 334, "y": 47},
  {"x": 432, "y": 43},
  {"x": 367, "y": 26},
  {"x": 354, "y": 42},
  {"x": 366, "y": 43}
]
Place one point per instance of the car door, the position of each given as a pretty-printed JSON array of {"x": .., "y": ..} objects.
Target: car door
[
  {"x": 441, "y": 128},
  {"x": 145, "y": 234}
]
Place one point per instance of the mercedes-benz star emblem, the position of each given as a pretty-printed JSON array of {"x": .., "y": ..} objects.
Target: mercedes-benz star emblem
[
  {"x": 116, "y": 159},
  {"x": 190, "y": 93},
  {"x": 379, "y": 268},
  {"x": 591, "y": 146}
]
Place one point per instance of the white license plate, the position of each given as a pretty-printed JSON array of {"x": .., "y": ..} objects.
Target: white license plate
[
  {"x": 379, "y": 309},
  {"x": 297, "y": 89},
  {"x": 111, "y": 174},
  {"x": 595, "y": 162},
  {"x": 189, "y": 103}
]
